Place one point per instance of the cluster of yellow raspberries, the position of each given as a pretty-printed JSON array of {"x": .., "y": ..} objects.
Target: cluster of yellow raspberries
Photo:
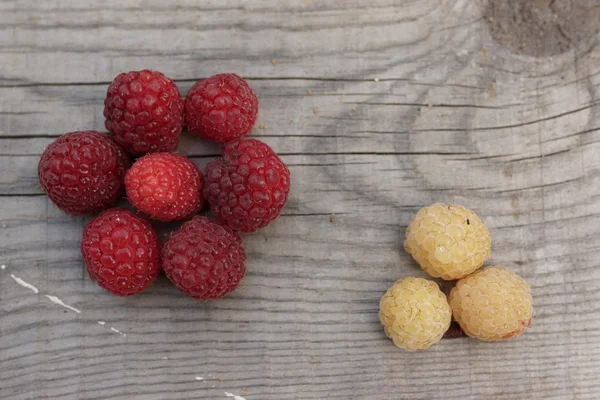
[{"x": 452, "y": 243}]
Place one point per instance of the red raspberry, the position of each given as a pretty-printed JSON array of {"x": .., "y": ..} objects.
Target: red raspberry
[
  {"x": 121, "y": 251},
  {"x": 248, "y": 187},
  {"x": 82, "y": 172},
  {"x": 204, "y": 259},
  {"x": 221, "y": 108},
  {"x": 144, "y": 112},
  {"x": 166, "y": 186}
]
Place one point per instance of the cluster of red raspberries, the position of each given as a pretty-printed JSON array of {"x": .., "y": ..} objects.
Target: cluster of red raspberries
[{"x": 86, "y": 172}]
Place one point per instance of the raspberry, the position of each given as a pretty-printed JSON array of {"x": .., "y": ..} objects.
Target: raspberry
[
  {"x": 248, "y": 187},
  {"x": 82, "y": 172},
  {"x": 121, "y": 251},
  {"x": 166, "y": 186},
  {"x": 204, "y": 259},
  {"x": 415, "y": 313},
  {"x": 221, "y": 108},
  {"x": 448, "y": 241},
  {"x": 492, "y": 304},
  {"x": 144, "y": 112}
]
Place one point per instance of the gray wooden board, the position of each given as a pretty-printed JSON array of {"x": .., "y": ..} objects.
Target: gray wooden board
[{"x": 379, "y": 108}]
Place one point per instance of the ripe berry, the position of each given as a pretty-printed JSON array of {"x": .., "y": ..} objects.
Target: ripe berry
[
  {"x": 204, "y": 259},
  {"x": 415, "y": 313},
  {"x": 448, "y": 241},
  {"x": 121, "y": 251},
  {"x": 82, "y": 172},
  {"x": 221, "y": 108},
  {"x": 166, "y": 186},
  {"x": 248, "y": 187},
  {"x": 492, "y": 304},
  {"x": 144, "y": 112}
]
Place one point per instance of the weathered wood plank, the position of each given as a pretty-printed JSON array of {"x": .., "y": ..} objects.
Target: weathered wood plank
[
  {"x": 512, "y": 135},
  {"x": 307, "y": 39}
]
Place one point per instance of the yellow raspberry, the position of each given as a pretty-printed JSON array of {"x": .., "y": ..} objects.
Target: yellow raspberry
[
  {"x": 414, "y": 313},
  {"x": 492, "y": 304},
  {"x": 448, "y": 241}
]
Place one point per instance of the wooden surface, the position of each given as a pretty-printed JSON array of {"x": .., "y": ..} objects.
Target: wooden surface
[{"x": 379, "y": 107}]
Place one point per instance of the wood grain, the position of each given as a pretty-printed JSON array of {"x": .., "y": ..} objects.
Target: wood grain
[{"x": 379, "y": 108}]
